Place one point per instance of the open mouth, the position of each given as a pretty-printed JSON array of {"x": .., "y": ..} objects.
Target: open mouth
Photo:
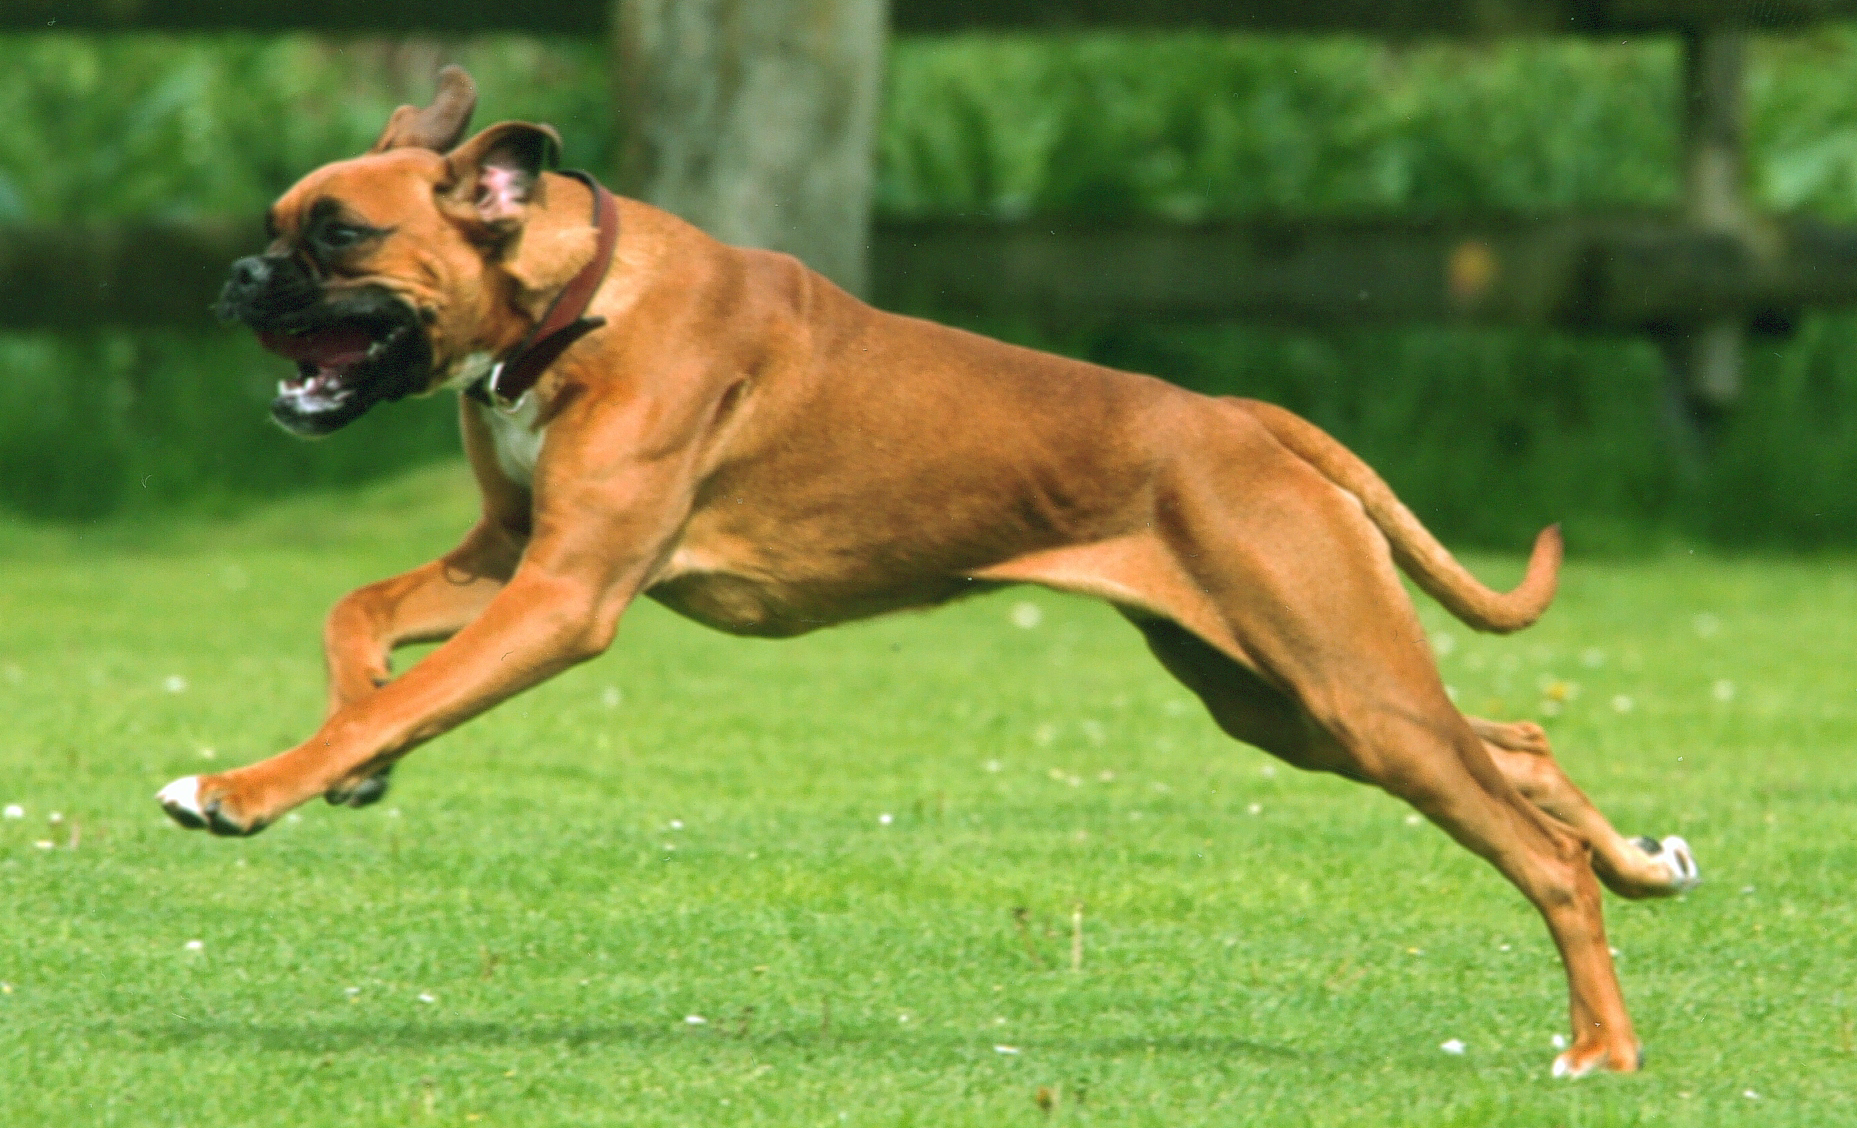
[
  {"x": 329, "y": 363},
  {"x": 349, "y": 357}
]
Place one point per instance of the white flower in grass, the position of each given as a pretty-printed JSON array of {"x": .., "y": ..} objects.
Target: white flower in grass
[
  {"x": 351, "y": 992},
  {"x": 1255, "y": 809},
  {"x": 14, "y": 811},
  {"x": 175, "y": 684},
  {"x": 695, "y": 1020},
  {"x": 1559, "y": 1041},
  {"x": 195, "y": 945},
  {"x": 1026, "y": 615},
  {"x": 1414, "y": 819},
  {"x": 55, "y": 817},
  {"x": 1005, "y": 1049},
  {"x": 44, "y": 844},
  {"x": 886, "y": 818},
  {"x": 1454, "y": 1047},
  {"x": 1750, "y": 1094},
  {"x": 676, "y": 824},
  {"x": 427, "y": 997}
]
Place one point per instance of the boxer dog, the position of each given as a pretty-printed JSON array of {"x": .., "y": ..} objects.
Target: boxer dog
[{"x": 647, "y": 411}]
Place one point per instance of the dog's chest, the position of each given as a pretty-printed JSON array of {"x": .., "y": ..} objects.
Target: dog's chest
[{"x": 515, "y": 437}]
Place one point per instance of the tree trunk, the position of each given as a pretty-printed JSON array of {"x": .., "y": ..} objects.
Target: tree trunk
[{"x": 754, "y": 119}]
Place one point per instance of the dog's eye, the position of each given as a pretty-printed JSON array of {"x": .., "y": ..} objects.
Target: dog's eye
[{"x": 340, "y": 236}]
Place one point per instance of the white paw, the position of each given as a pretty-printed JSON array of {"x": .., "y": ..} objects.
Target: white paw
[
  {"x": 181, "y": 800},
  {"x": 1564, "y": 1063},
  {"x": 1676, "y": 858}
]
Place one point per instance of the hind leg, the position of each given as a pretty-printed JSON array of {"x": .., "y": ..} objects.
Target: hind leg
[
  {"x": 1310, "y": 601},
  {"x": 1452, "y": 781},
  {"x": 1412, "y": 758},
  {"x": 1270, "y": 593},
  {"x": 1631, "y": 867}
]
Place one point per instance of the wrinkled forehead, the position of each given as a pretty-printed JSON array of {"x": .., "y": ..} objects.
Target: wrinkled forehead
[{"x": 381, "y": 188}]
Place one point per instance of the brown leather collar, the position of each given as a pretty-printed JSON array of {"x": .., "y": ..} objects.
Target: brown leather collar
[{"x": 563, "y": 324}]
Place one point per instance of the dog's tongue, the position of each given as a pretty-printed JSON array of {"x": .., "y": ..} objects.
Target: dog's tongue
[{"x": 325, "y": 348}]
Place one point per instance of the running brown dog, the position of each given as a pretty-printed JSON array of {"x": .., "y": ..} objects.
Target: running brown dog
[{"x": 730, "y": 434}]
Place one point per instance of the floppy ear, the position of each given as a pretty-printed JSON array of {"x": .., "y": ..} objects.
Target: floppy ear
[
  {"x": 438, "y": 126},
  {"x": 498, "y": 172}
]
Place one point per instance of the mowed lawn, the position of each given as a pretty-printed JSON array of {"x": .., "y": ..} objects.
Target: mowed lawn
[{"x": 837, "y": 880}]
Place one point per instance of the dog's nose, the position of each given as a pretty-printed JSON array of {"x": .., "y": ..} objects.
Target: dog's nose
[
  {"x": 247, "y": 280},
  {"x": 249, "y": 275}
]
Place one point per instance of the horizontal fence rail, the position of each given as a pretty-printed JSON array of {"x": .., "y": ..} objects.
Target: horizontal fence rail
[
  {"x": 1597, "y": 273},
  {"x": 1594, "y": 274},
  {"x": 590, "y": 17}
]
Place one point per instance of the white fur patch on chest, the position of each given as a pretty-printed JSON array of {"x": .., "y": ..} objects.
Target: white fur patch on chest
[
  {"x": 468, "y": 369},
  {"x": 517, "y": 438}
]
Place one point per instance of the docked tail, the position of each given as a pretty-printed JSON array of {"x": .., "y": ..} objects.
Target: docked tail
[{"x": 1417, "y": 552}]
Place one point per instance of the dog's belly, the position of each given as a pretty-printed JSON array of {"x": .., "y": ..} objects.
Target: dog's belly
[{"x": 744, "y": 598}]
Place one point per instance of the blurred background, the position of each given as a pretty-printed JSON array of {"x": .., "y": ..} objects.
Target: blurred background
[{"x": 1566, "y": 261}]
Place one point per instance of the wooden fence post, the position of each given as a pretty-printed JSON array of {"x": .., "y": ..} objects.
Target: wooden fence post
[
  {"x": 1705, "y": 359},
  {"x": 755, "y": 120}
]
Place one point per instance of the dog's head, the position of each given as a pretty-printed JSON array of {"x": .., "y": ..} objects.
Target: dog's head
[{"x": 387, "y": 271}]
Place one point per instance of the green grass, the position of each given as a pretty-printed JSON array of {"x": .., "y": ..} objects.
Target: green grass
[{"x": 1260, "y": 946}]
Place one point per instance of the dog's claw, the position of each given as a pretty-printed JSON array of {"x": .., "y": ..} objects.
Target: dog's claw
[{"x": 369, "y": 791}]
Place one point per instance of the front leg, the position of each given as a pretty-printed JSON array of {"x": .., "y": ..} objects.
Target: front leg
[
  {"x": 599, "y": 535},
  {"x": 428, "y": 604},
  {"x": 613, "y": 485},
  {"x": 539, "y": 624}
]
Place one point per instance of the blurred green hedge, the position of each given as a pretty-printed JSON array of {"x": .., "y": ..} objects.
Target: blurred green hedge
[{"x": 1487, "y": 434}]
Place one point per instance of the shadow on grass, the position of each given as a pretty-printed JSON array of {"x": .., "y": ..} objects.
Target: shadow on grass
[
  {"x": 340, "y": 1037},
  {"x": 337, "y": 1037}
]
